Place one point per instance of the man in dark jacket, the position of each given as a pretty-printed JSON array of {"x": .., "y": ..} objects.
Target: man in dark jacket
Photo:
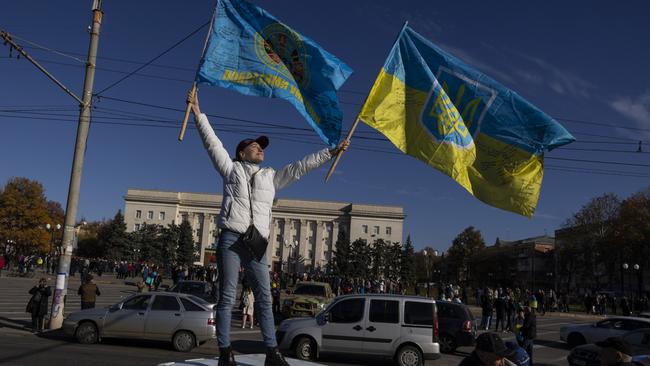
[
  {"x": 529, "y": 331},
  {"x": 490, "y": 351},
  {"x": 88, "y": 292},
  {"x": 38, "y": 304},
  {"x": 500, "y": 307}
]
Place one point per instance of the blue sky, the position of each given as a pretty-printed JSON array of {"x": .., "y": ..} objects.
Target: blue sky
[{"x": 583, "y": 62}]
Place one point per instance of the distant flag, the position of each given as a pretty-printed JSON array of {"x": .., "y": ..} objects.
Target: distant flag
[
  {"x": 434, "y": 107},
  {"x": 254, "y": 53}
]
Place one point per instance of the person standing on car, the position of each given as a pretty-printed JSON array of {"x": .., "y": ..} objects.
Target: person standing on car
[
  {"x": 529, "y": 332},
  {"x": 38, "y": 304},
  {"x": 248, "y": 194},
  {"x": 88, "y": 292}
]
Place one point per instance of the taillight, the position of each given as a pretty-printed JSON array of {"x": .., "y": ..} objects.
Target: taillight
[
  {"x": 467, "y": 325},
  {"x": 211, "y": 321},
  {"x": 435, "y": 324}
]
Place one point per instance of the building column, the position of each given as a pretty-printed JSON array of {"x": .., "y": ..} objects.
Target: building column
[
  {"x": 335, "y": 235},
  {"x": 304, "y": 243},
  {"x": 206, "y": 240},
  {"x": 286, "y": 235},
  {"x": 270, "y": 248},
  {"x": 318, "y": 254}
]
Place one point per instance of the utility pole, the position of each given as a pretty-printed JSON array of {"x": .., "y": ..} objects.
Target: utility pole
[{"x": 56, "y": 315}]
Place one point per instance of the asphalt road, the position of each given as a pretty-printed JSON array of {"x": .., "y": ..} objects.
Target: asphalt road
[{"x": 18, "y": 346}]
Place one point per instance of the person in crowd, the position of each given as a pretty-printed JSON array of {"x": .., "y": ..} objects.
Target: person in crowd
[
  {"x": 510, "y": 313},
  {"x": 500, "y": 308},
  {"x": 487, "y": 311},
  {"x": 490, "y": 350},
  {"x": 529, "y": 331},
  {"x": 614, "y": 351},
  {"x": 88, "y": 292},
  {"x": 38, "y": 304},
  {"x": 248, "y": 302},
  {"x": 518, "y": 355}
]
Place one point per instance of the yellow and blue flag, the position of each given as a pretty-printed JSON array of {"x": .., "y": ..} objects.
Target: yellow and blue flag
[
  {"x": 254, "y": 53},
  {"x": 434, "y": 107}
]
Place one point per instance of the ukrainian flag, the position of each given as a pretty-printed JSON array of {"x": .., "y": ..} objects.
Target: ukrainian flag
[{"x": 436, "y": 108}]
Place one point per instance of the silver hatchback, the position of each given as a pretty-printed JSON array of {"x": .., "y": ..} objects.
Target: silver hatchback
[
  {"x": 404, "y": 328},
  {"x": 185, "y": 320}
]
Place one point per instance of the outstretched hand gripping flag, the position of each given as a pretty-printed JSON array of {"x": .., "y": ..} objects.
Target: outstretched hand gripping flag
[
  {"x": 434, "y": 107},
  {"x": 252, "y": 52}
]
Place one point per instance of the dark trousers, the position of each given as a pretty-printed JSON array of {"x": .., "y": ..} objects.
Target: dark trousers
[
  {"x": 528, "y": 346},
  {"x": 37, "y": 322},
  {"x": 87, "y": 305},
  {"x": 500, "y": 321}
]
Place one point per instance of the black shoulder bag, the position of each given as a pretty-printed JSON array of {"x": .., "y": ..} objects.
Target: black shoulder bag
[{"x": 251, "y": 239}]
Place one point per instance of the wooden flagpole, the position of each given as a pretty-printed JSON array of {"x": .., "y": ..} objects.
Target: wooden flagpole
[
  {"x": 193, "y": 90},
  {"x": 356, "y": 122},
  {"x": 340, "y": 153}
]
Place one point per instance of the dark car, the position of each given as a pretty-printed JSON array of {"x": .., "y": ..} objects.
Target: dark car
[
  {"x": 589, "y": 354},
  {"x": 201, "y": 289},
  {"x": 456, "y": 326}
]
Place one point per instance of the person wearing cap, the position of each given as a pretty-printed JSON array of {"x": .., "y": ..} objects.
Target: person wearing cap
[
  {"x": 490, "y": 350},
  {"x": 614, "y": 351},
  {"x": 247, "y": 188}
]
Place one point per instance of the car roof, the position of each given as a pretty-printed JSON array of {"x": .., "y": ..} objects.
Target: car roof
[
  {"x": 646, "y": 320},
  {"x": 391, "y": 296},
  {"x": 312, "y": 283}
]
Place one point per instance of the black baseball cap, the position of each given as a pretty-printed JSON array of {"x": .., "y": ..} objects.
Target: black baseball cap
[
  {"x": 263, "y": 141},
  {"x": 492, "y": 343},
  {"x": 616, "y": 343}
]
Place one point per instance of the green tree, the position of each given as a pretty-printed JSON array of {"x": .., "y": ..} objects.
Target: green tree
[
  {"x": 113, "y": 239},
  {"x": 465, "y": 245},
  {"x": 186, "y": 246},
  {"x": 393, "y": 265},
  {"x": 341, "y": 261},
  {"x": 407, "y": 268},
  {"x": 146, "y": 240},
  {"x": 378, "y": 253},
  {"x": 23, "y": 215},
  {"x": 88, "y": 241},
  {"x": 168, "y": 243},
  {"x": 360, "y": 259}
]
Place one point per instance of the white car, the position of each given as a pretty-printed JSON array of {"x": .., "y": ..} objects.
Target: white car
[
  {"x": 404, "y": 328},
  {"x": 576, "y": 335}
]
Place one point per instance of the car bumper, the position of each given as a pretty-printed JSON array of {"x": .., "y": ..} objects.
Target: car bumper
[
  {"x": 69, "y": 327},
  {"x": 431, "y": 356},
  {"x": 465, "y": 339}
]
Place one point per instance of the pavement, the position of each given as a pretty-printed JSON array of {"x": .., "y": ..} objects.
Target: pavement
[{"x": 20, "y": 347}]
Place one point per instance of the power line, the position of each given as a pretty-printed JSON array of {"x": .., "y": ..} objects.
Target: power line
[
  {"x": 599, "y": 162},
  {"x": 154, "y": 59}
]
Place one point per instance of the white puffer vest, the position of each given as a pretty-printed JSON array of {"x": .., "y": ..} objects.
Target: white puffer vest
[{"x": 235, "y": 207}]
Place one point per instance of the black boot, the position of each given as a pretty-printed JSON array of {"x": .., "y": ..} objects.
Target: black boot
[
  {"x": 274, "y": 358},
  {"x": 226, "y": 357}
]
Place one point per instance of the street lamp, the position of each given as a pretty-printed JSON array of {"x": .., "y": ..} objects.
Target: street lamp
[
  {"x": 51, "y": 229},
  {"x": 427, "y": 265},
  {"x": 624, "y": 268},
  {"x": 290, "y": 246},
  {"x": 639, "y": 277}
]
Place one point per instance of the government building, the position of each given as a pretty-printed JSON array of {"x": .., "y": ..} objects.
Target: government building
[{"x": 303, "y": 230}]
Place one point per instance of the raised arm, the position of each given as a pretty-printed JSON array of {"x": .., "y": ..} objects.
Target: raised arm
[
  {"x": 218, "y": 154},
  {"x": 296, "y": 170}
]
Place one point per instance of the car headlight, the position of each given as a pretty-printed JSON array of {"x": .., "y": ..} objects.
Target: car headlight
[{"x": 321, "y": 306}]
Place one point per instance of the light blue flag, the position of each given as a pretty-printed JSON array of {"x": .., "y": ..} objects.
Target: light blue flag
[{"x": 251, "y": 51}]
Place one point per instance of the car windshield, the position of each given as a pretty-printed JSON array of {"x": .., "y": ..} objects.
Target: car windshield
[
  {"x": 198, "y": 300},
  {"x": 312, "y": 290}
]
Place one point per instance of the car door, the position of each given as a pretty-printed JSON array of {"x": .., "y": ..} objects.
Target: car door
[
  {"x": 382, "y": 327},
  {"x": 163, "y": 318},
  {"x": 344, "y": 331},
  {"x": 129, "y": 320}
]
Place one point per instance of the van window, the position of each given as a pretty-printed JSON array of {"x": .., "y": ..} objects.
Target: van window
[
  {"x": 347, "y": 311},
  {"x": 418, "y": 313},
  {"x": 384, "y": 311},
  {"x": 447, "y": 311}
]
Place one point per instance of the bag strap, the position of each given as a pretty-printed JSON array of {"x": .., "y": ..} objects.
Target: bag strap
[{"x": 250, "y": 195}]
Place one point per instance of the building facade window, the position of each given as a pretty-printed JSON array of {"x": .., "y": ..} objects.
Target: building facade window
[
  {"x": 375, "y": 230},
  {"x": 364, "y": 228},
  {"x": 388, "y": 230},
  {"x": 138, "y": 214},
  {"x": 161, "y": 215},
  {"x": 136, "y": 227},
  {"x": 150, "y": 215}
]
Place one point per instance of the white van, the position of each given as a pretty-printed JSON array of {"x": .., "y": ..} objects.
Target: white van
[{"x": 404, "y": 328}]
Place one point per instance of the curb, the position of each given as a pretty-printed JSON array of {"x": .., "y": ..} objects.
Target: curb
[{"x": 477, "y": 311}]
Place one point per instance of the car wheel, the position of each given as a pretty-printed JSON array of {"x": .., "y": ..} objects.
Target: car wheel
[
  {"x": 305, "y": 349},
  {"x": 87, "y": 333},
  {"x": 447, "y": 343},
  {"x": 183, "y": 341},
  {"x": 576, "y": 339},
  {"x": 409, "y": 356}
]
